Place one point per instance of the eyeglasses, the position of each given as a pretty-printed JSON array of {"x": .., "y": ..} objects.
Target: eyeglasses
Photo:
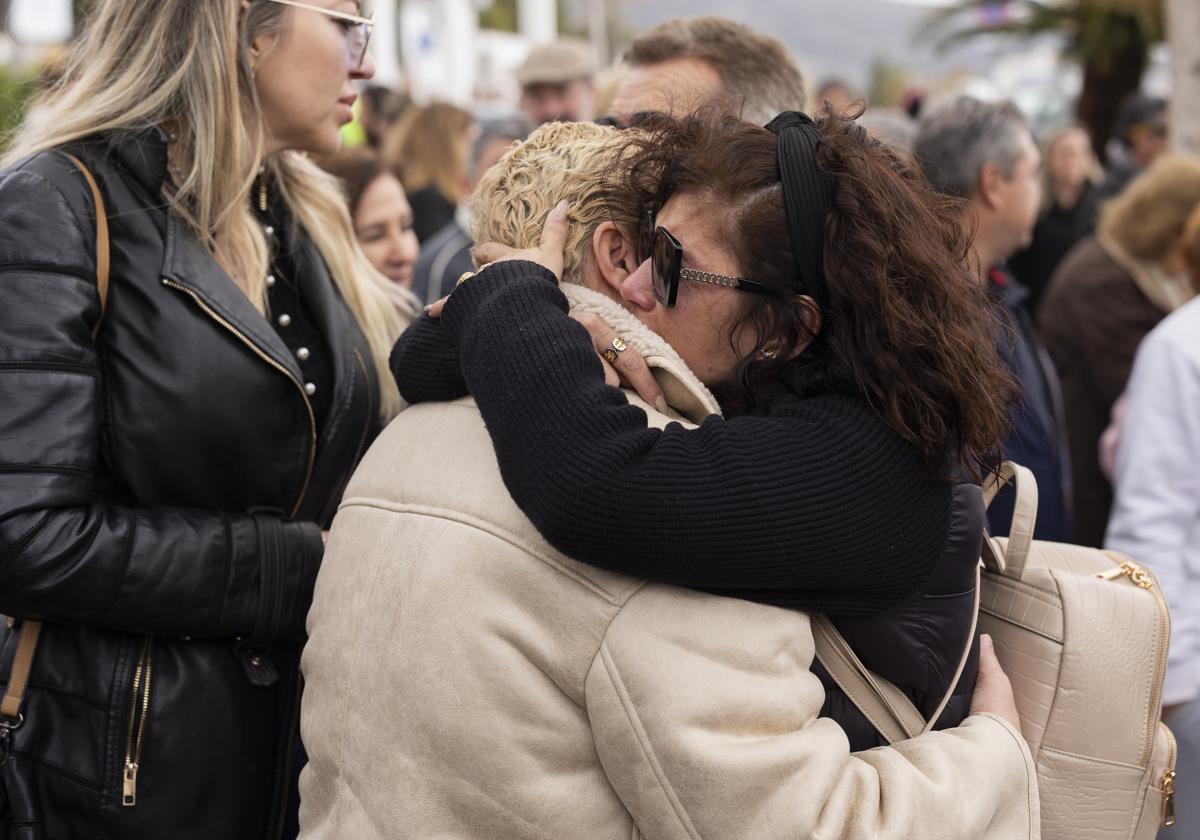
[
  {"x": 357, "y": 29},
  {"x": 666, "y": 267}
]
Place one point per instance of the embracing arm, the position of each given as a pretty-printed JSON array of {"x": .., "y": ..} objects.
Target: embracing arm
[
  {"x": 425, "y": 363},
  {"x": 64, "y": 554},
  {"x": 821, "y": 509}
]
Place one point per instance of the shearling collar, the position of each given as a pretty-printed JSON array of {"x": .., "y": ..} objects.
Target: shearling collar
[{"x": 685, "y": 393}]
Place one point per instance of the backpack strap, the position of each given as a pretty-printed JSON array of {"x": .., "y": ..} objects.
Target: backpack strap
[
  {"x": 18, "y": 681},
  {"x": 888, "y": 708},
  {"x": 884, "y": 705},
  {"x": 1020, "y": 534}
]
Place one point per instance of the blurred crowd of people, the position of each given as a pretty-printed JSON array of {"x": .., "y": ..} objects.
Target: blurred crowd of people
[
  {"x": 1083, "y": 275},
  {"x": 1084, "y": 258},
  {"x": 166, "y": 496}
]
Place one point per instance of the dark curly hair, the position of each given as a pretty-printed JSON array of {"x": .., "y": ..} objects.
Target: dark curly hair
[{"x": 906, "y": 324}]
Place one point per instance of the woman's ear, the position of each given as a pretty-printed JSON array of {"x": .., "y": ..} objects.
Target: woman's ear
[
  {"x": 261, "y": 44},
  {"x": 809, "y": 314},
  {"x": 613, "y": 255}
]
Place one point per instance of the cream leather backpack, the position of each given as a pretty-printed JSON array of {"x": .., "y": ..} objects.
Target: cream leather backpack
[{"x": 1083, "y": 635}]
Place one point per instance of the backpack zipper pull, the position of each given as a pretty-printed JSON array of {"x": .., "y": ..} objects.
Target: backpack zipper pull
[
  {"x": 1140, "y": 577},
  {"x": 1168, "y": 791}
]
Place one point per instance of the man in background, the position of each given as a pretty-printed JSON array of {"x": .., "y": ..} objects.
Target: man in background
[
  {"x": 984, "y": 153},
  {"x": 1141, "y": 135},
  {"x": 685, "y": 64},
  {"x": 556, "y": 84}
]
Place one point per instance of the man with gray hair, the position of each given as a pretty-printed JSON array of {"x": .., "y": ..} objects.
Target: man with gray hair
[
  {"x": 688, "y": 63},
  {"x": 984, "y": 153}
]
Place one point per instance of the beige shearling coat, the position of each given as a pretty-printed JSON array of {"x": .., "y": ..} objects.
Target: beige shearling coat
[{"x": 465, "y": 680}]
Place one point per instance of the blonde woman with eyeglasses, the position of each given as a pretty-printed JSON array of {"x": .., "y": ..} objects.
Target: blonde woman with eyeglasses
[{"x": 171, "y": 451}]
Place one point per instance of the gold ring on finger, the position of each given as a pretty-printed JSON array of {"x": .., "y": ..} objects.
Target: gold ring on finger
[
  {"x": 619, "y": 344},
  {"x": 610, "y": 355}
]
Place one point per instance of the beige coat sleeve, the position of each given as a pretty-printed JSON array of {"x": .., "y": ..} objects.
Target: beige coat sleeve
[{"x": 705, "y": 718}]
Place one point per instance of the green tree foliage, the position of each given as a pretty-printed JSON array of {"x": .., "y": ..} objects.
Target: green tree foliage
[
  {"x": 15, "y": 90},
  {"x": 501, "y": 15},
  {"x": 888, "y": 83}
]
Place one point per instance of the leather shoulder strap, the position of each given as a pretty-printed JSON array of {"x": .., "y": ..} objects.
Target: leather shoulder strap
[
  {"x": 888, "y": 708},
  {"x": 18, "y": 681},
  {"x": 884, "y": 705},
  {"x": 102, "y": 246},
  {"x": 14, "y": 692}
]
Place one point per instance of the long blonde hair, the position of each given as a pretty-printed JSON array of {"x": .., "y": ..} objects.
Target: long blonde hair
[
  {"x": 185, "y": 66},
  {"x": 1094, "y": 171},
  {"x": 431, "y": 147}
]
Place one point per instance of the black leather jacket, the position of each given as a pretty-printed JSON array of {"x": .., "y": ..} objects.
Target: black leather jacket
[{"x": 162, "y": 492}]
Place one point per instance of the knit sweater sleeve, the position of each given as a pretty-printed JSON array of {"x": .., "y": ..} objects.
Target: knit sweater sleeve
[
  {"x": 425, "y": 363},
  {"x": 815, "y": 510}
]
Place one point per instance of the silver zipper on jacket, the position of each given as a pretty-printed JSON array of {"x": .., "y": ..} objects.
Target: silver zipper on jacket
[
  {"x": 139, "y": 710},
  {"x": 254, "y": 348}
]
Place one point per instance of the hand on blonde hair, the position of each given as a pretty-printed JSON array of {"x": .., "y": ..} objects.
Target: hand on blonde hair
[{"x": 548, "y": 254}]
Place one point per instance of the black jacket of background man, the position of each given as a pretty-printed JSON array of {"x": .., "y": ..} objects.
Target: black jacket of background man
[
  {"x": 1036, "y": 439},
  {"x": 162, "y": 491}
]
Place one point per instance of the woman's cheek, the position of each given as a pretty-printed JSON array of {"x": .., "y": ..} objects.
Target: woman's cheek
[{"x": 376, "y": 254}]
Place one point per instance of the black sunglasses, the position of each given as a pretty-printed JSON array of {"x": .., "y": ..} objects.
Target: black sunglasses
[{"x": 666, "y": 267}]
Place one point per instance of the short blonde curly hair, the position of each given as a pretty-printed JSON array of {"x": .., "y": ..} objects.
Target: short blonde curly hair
[{"x": 579, "y": 162}]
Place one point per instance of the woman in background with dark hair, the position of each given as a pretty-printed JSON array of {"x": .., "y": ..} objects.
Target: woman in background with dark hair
[
  {"x": 379, "y": 208},
  {"x": 857, "y": 370}
]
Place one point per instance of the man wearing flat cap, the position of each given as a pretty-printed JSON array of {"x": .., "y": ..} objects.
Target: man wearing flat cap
[{"x": 556, "y": 83}]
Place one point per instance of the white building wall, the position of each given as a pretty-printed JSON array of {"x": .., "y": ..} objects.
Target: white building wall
[
  {"x": 442, "y": 53},
  {"x": 438, "y": 49}
]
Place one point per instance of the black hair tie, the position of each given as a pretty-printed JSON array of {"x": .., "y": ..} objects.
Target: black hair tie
[{"x": 807, "y": 198}]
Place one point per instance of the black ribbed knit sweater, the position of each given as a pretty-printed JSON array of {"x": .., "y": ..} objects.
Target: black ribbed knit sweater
[{"x": 811, "y": 503}]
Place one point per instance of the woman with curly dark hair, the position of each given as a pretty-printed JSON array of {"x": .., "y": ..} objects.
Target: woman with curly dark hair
[{"x": 813, "y": 279}]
